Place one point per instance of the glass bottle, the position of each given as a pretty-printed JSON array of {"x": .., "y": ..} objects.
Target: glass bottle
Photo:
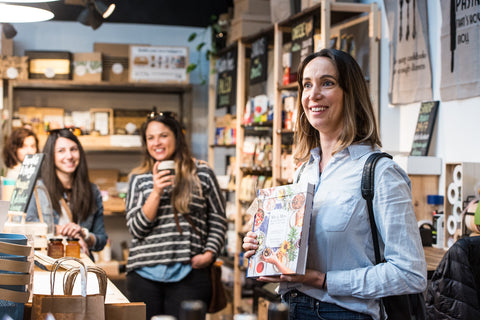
[
  {"x": 277, "y": 311},
  {"x": 72, "y": 248},
  {"x": 192, "y": 310},
  {"x": 55, "y": 248}
]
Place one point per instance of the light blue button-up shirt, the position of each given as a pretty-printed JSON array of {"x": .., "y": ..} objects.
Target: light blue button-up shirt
[{"x": 340, "y": 240}]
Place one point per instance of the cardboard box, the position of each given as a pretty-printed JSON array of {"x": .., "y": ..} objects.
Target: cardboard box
[
  {"x": 261, "y": 7},
  {"x": 12, "y": 67},
  {"x": 114, "y": 61},
  {"x": 87, "y": 66},
  {"x": 247, "y": 25},
  {"x": 49, "y": 64}
]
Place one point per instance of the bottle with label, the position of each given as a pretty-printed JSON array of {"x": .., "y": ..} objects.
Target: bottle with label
[
  {"x": 277, "y": 311},
  {"x": 436, "y": 202},
  {"x": 192, "y": 310}
]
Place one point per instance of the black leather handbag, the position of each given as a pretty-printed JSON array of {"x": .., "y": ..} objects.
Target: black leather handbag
[{"x": 401, "y": 307}]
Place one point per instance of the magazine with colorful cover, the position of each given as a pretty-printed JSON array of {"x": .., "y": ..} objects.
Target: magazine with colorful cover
[{"x": 282, "y": 224}]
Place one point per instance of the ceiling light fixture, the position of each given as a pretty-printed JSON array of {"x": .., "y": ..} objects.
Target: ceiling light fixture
[
  {"x": 8, "y": 30},
  {"x": 94, "y": 13},
  {"x": 14, "y": 13},
  {"x": 27, "y": 1},
  {"x": 103, "y": 9}
]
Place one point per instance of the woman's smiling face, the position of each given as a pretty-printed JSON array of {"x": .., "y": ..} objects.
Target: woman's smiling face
[
  {"x": 322, "y": 96},
  {"x": 160, "y": 141},
  {"x": 67, "y": 155}
]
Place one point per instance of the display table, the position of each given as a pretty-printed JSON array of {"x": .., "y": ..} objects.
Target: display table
[{"x": 117, "y": 306}]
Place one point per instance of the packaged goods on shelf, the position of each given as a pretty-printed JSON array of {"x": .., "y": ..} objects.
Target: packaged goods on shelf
[
  {"x": 87, "y": 66},
  {"x": 12, "y": 67},
  {"x": 114, "y": 61},
  {"x": 54, "y": 65}
]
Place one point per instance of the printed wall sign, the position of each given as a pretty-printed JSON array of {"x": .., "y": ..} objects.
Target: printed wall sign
[
  {"x": 460, "y": 43},
  {"x": 410, "y": 68}
]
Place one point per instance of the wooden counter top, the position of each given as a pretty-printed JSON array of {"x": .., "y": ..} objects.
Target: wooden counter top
[
  {"x": 117, "y": 306},
  {"x": 433, "y": 256}
]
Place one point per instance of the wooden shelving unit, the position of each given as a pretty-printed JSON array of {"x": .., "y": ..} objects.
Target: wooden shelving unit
[{"x": 331, "y": 18}]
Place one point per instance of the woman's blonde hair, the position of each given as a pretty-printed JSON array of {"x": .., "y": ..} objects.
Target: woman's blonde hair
[
  {"x": 359, "y": 121},
  {"x": 186, "y": 179}
]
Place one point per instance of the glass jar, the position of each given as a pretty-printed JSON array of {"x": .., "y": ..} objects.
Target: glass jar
[
  {"x": 73, "y": 248},
  {"x": 55, "y": 248}
]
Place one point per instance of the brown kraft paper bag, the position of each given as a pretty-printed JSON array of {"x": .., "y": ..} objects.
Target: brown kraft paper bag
[{"x": 68, "y": 307}]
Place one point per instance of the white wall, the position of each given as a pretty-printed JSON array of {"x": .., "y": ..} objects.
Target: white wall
[
  {"x": 75, "y": 37},
  {"x": 456, "y": 135}
]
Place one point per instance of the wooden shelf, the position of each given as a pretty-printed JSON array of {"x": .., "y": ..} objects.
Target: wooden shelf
[
  {"x": 330, "y": 19},
  {"x": 100, "y": 86}
]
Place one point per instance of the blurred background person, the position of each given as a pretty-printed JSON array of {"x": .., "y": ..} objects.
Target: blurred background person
[
  {"x": 177, "y": 221},
  {"x": 22, "y": 141}
]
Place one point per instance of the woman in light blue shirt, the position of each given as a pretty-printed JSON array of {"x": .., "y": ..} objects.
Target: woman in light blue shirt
[{"x": 336, "y": 132}]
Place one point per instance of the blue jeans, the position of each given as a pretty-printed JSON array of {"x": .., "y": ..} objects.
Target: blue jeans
[{"x": 303, "y": 307}]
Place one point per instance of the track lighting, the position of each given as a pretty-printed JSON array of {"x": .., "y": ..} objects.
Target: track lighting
[
  {"x": 104, "y": 10},
  {"x": 94, "y": 13},
  {"x": 8, "y": 30}
]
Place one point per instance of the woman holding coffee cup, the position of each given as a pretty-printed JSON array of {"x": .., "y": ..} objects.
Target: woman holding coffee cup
[{"x": 175, "y": 212}]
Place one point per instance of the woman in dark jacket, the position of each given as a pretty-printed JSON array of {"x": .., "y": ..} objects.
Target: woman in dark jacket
[{"x": 454, "y": 291}]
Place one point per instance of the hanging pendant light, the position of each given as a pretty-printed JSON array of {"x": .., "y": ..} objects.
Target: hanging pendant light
[{"x": 11, "y": 13}]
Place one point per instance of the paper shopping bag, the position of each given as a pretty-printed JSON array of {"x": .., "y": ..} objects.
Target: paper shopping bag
[{"x": 68, "y": 307}]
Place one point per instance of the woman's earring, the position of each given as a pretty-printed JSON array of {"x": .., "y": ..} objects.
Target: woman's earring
[{"x": 301, "y": 125}]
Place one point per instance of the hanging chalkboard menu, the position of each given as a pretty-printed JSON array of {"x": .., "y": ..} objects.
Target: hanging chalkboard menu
[
  {"x": 424, "y": 130},
  {"x": 227, "y": 79},
  {"x": 25, "y": 182},
  {"x": 259, "y": 61},
  {"x": 302, "y": 42}
]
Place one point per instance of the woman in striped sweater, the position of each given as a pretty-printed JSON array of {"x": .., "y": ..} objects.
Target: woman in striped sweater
[{"x": 177, "y": 222}]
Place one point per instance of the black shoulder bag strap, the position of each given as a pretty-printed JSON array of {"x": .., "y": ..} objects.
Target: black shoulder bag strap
[
  {"x": 407, "y": 306},
  {"x": 368, "y": 179}
]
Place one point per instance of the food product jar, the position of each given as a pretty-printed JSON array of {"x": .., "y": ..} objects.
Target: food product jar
[
  {"x": 55, "y": 248},
  {"x": 73, "y": 248}
]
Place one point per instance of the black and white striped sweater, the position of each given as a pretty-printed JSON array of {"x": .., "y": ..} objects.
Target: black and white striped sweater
[{"x": 159, "y": 241}]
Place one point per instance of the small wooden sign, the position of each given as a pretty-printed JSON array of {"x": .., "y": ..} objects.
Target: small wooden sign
[
  {"x": 424, "y": 129},
  {"x": 26, "y": 182}
]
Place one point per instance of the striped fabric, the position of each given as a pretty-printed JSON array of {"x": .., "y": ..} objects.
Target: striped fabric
[{"x": 159, "y": 242}]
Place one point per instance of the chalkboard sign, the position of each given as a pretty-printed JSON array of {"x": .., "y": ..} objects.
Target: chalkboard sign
[
  {"x": 424, "y": 130},
  {"x": 302, "y": 42},
  {"x": 259, "y": 61},
  {"x": 25, "y": 182},
  {"x": 227, "y": 79}
]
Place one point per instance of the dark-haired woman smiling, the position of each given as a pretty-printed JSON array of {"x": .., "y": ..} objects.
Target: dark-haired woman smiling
[{"x": 77, "y": 203}]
